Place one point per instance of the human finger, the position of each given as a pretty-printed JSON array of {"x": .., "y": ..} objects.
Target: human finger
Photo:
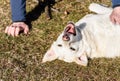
[
  {"x": 17, "y": 30},
  {"x": 26, "y": 30},
  {"x": 118, "y": 19},
  {"x": 9, "y": 30},
  {"x": 113, "y": 20},
  {"x": 6, "y": 29},
  {"x": 13, "y": 31}
]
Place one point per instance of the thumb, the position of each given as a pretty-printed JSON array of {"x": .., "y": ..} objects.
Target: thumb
[{"x": 26, "y": 29}]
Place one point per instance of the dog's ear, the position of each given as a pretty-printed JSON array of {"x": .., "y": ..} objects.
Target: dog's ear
[
  {"x": 49, "y": 55},
  {"x": 82, "y": 60}
]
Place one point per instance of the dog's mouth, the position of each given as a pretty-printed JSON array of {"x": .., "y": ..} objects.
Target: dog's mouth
[{"x": 70, "y": 30}]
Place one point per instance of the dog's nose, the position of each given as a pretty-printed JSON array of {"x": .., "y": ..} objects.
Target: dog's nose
[{"x": 66, "y": 37}]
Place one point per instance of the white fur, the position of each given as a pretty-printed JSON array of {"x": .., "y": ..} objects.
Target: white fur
[
  {"x": 100, "y": 9},
  {"x": 99, "y": 38}
]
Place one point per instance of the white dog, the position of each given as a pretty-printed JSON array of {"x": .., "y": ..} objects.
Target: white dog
[{"x": 93, "y": 36}]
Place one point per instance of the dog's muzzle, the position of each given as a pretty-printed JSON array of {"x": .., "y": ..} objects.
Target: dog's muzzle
[
  {"x": 66, "y": 37},
  {"x": 68, "y": 31}
]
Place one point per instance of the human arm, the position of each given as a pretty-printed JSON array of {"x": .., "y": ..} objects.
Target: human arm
[{"x": 18, "y": 13}]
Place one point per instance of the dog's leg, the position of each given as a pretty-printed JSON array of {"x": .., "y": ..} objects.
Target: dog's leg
[{"x": 48, "y": 9}]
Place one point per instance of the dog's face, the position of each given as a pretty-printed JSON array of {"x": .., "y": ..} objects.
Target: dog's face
[{"x": 68, "y": 46}]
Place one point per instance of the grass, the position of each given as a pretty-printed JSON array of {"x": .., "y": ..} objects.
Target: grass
[{"x": 20, "y": 57}]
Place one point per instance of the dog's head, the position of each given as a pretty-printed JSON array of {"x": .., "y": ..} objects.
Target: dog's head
[{"x": 68, "y": 46}]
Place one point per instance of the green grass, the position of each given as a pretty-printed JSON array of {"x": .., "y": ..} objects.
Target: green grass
[{"x": 20, "y": 57}]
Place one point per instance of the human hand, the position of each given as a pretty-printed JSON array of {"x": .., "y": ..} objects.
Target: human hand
[
  {"x": 15, "y": 28},
  {"x": 115, "y": 15}
]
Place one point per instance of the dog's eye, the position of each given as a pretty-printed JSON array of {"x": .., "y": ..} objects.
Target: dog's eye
[
  {"x": 73, "y": 49},
  {"x": 59, "y": 45}
]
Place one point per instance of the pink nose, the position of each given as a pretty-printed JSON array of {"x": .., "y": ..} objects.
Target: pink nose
[{"x": 66, "y": 38}]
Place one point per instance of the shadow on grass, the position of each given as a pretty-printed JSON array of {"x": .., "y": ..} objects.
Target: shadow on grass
[{"x": 43, "y": 6}]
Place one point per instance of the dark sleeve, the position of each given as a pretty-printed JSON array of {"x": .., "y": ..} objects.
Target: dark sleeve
[
  {"x": 18, "y": 10},
  {"x": 115, "y": 3}
]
